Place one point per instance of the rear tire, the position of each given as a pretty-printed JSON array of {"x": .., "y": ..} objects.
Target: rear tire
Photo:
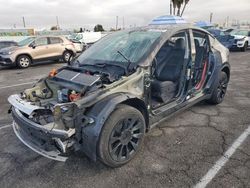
[
  {"x": 220, "y": 90},
  {"x": 122, "y": 136},
  {"x": 67, "y": 56},
  {"x": 23, "y": 61}
]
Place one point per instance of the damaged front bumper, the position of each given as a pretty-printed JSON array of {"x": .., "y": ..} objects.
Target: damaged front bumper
[{"x": 50, "y": 142}]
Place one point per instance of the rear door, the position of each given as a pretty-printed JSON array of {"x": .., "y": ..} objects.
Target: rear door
[{"x": 56, "y": 46}]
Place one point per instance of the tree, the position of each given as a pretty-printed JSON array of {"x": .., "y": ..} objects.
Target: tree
[
  {"x": 185, "y": 4},
  {"x": 177, "y": 4},
  {"x": 53, "y": 28},
  {"x": 98, "y": 28}
]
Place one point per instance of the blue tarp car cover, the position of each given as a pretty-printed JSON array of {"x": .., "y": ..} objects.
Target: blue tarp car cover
[
  {"x": 203, "y": 24},
  {"x": 168, "y": 20}
]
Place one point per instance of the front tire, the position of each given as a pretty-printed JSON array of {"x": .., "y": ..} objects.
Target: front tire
[
  {"x": 122, "y": 136},
  {"x": 23, "y": 61},
  {"x": 220, "y": 91},
  {"x": 244, "y": 48}
]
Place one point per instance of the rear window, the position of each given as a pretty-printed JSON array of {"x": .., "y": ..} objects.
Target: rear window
[{"x": 55, "y": 40}]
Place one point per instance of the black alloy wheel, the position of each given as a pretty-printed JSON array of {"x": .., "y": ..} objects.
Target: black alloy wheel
[
  {"x": 125, "y": 138},
  {"x": 220, "y": 91},
  {"x": 122, "y": 136}
]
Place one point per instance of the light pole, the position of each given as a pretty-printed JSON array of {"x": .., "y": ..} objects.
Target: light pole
[
  {"x": 116, "y": 26},
  {"x": 24, "y": 25},
  {"x": 211, "y": 17},
  {"x": 57, "y": 23}
]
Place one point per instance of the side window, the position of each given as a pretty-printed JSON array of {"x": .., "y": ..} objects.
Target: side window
[
  {"x": 41, "y": 41},
  {"x": 55, "y": 40}
]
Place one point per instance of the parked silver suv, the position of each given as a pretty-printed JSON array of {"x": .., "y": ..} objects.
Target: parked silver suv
[{"x": 33, "y": 49}]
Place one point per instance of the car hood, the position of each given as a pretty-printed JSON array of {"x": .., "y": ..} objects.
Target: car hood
[
  {"x": 8, "y": 49},
  {"x": 239, "y": 36}
]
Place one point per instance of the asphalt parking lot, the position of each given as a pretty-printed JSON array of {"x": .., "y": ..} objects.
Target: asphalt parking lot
[{"x": 177, "y": 153}]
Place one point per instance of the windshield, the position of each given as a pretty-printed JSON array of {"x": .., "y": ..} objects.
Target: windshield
[
  {"x": 25, "y": 41},
  {"x": 75, "y": 36},
  {"x": 240, "y": 32},
  {"x": 120, "y": 47}
]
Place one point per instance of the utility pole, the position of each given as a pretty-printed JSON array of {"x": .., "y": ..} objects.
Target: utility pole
[
  {"x": 123, "y": 23},
  {"x": 24, "y": 25},
  {"x": 227, "y": 21},
  {"x": 57, "y": 23},
  {"x": 116, "y": 26},
  {"x": 170, "y": 7},
  {"x": 211, "y": 17}
]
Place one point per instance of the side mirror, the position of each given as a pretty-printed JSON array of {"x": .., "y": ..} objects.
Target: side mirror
[{"x": 32, "y": 45}]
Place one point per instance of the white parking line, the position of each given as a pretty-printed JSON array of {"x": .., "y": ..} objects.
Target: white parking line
[
  {"x": 223, "y": 160},
  {"x": 4, "y": 126},
  {"x": 5, "y": 87}
]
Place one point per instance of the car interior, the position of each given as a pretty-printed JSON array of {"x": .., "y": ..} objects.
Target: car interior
[
  {"x": 168, "y": 69},
  {"x": 201, "y": 59}
]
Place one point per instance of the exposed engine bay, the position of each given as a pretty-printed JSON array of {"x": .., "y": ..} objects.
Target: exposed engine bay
[
  {"x": 70, "y": 85},
  {"x": 56, "y": 94}
]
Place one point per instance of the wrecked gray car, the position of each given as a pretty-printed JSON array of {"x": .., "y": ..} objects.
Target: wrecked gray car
[{"x": 118, "y": 89}]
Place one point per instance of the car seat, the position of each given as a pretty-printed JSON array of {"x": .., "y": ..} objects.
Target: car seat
[{"x": 168, "y": 72}]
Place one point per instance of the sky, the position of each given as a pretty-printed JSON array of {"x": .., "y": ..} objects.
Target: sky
[{"x": 87, "y": 13}]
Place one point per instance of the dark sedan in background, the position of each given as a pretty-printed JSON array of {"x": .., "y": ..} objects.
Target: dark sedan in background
[
  {"x": 5, "y": 44},
  {"x": 223, "y": 37}
]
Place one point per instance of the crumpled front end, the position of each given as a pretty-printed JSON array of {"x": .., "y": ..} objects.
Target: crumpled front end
[
  {"x": 50, "y": 117},
  {"x": 42, "y": 135}
]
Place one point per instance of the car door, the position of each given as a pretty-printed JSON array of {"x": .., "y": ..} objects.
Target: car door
[
  {"x": 56, "y": 46},
  {"x": 40, "y": 48}
]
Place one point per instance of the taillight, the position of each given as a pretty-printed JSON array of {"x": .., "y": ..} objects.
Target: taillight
[{"x": 52, "y": 73}]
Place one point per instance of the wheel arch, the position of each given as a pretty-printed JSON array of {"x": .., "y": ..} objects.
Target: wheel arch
[
  {"x": 100, "y": 112},
  {"x": 139, "y": 105},
  {"x": 69, "y": 50},
  {"x": 24, "y": 54},
  {"x": 226, "y": 68}
]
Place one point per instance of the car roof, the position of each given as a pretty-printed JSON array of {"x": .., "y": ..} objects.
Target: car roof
[
  {"x": 168, "y": 28},
  {"x": 49, "y": 36}
]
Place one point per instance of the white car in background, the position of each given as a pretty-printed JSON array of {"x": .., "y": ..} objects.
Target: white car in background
[{"x": 241, "y": 39}]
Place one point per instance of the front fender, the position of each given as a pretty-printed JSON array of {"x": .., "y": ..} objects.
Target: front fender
[{"x": 99, "y": 112}]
